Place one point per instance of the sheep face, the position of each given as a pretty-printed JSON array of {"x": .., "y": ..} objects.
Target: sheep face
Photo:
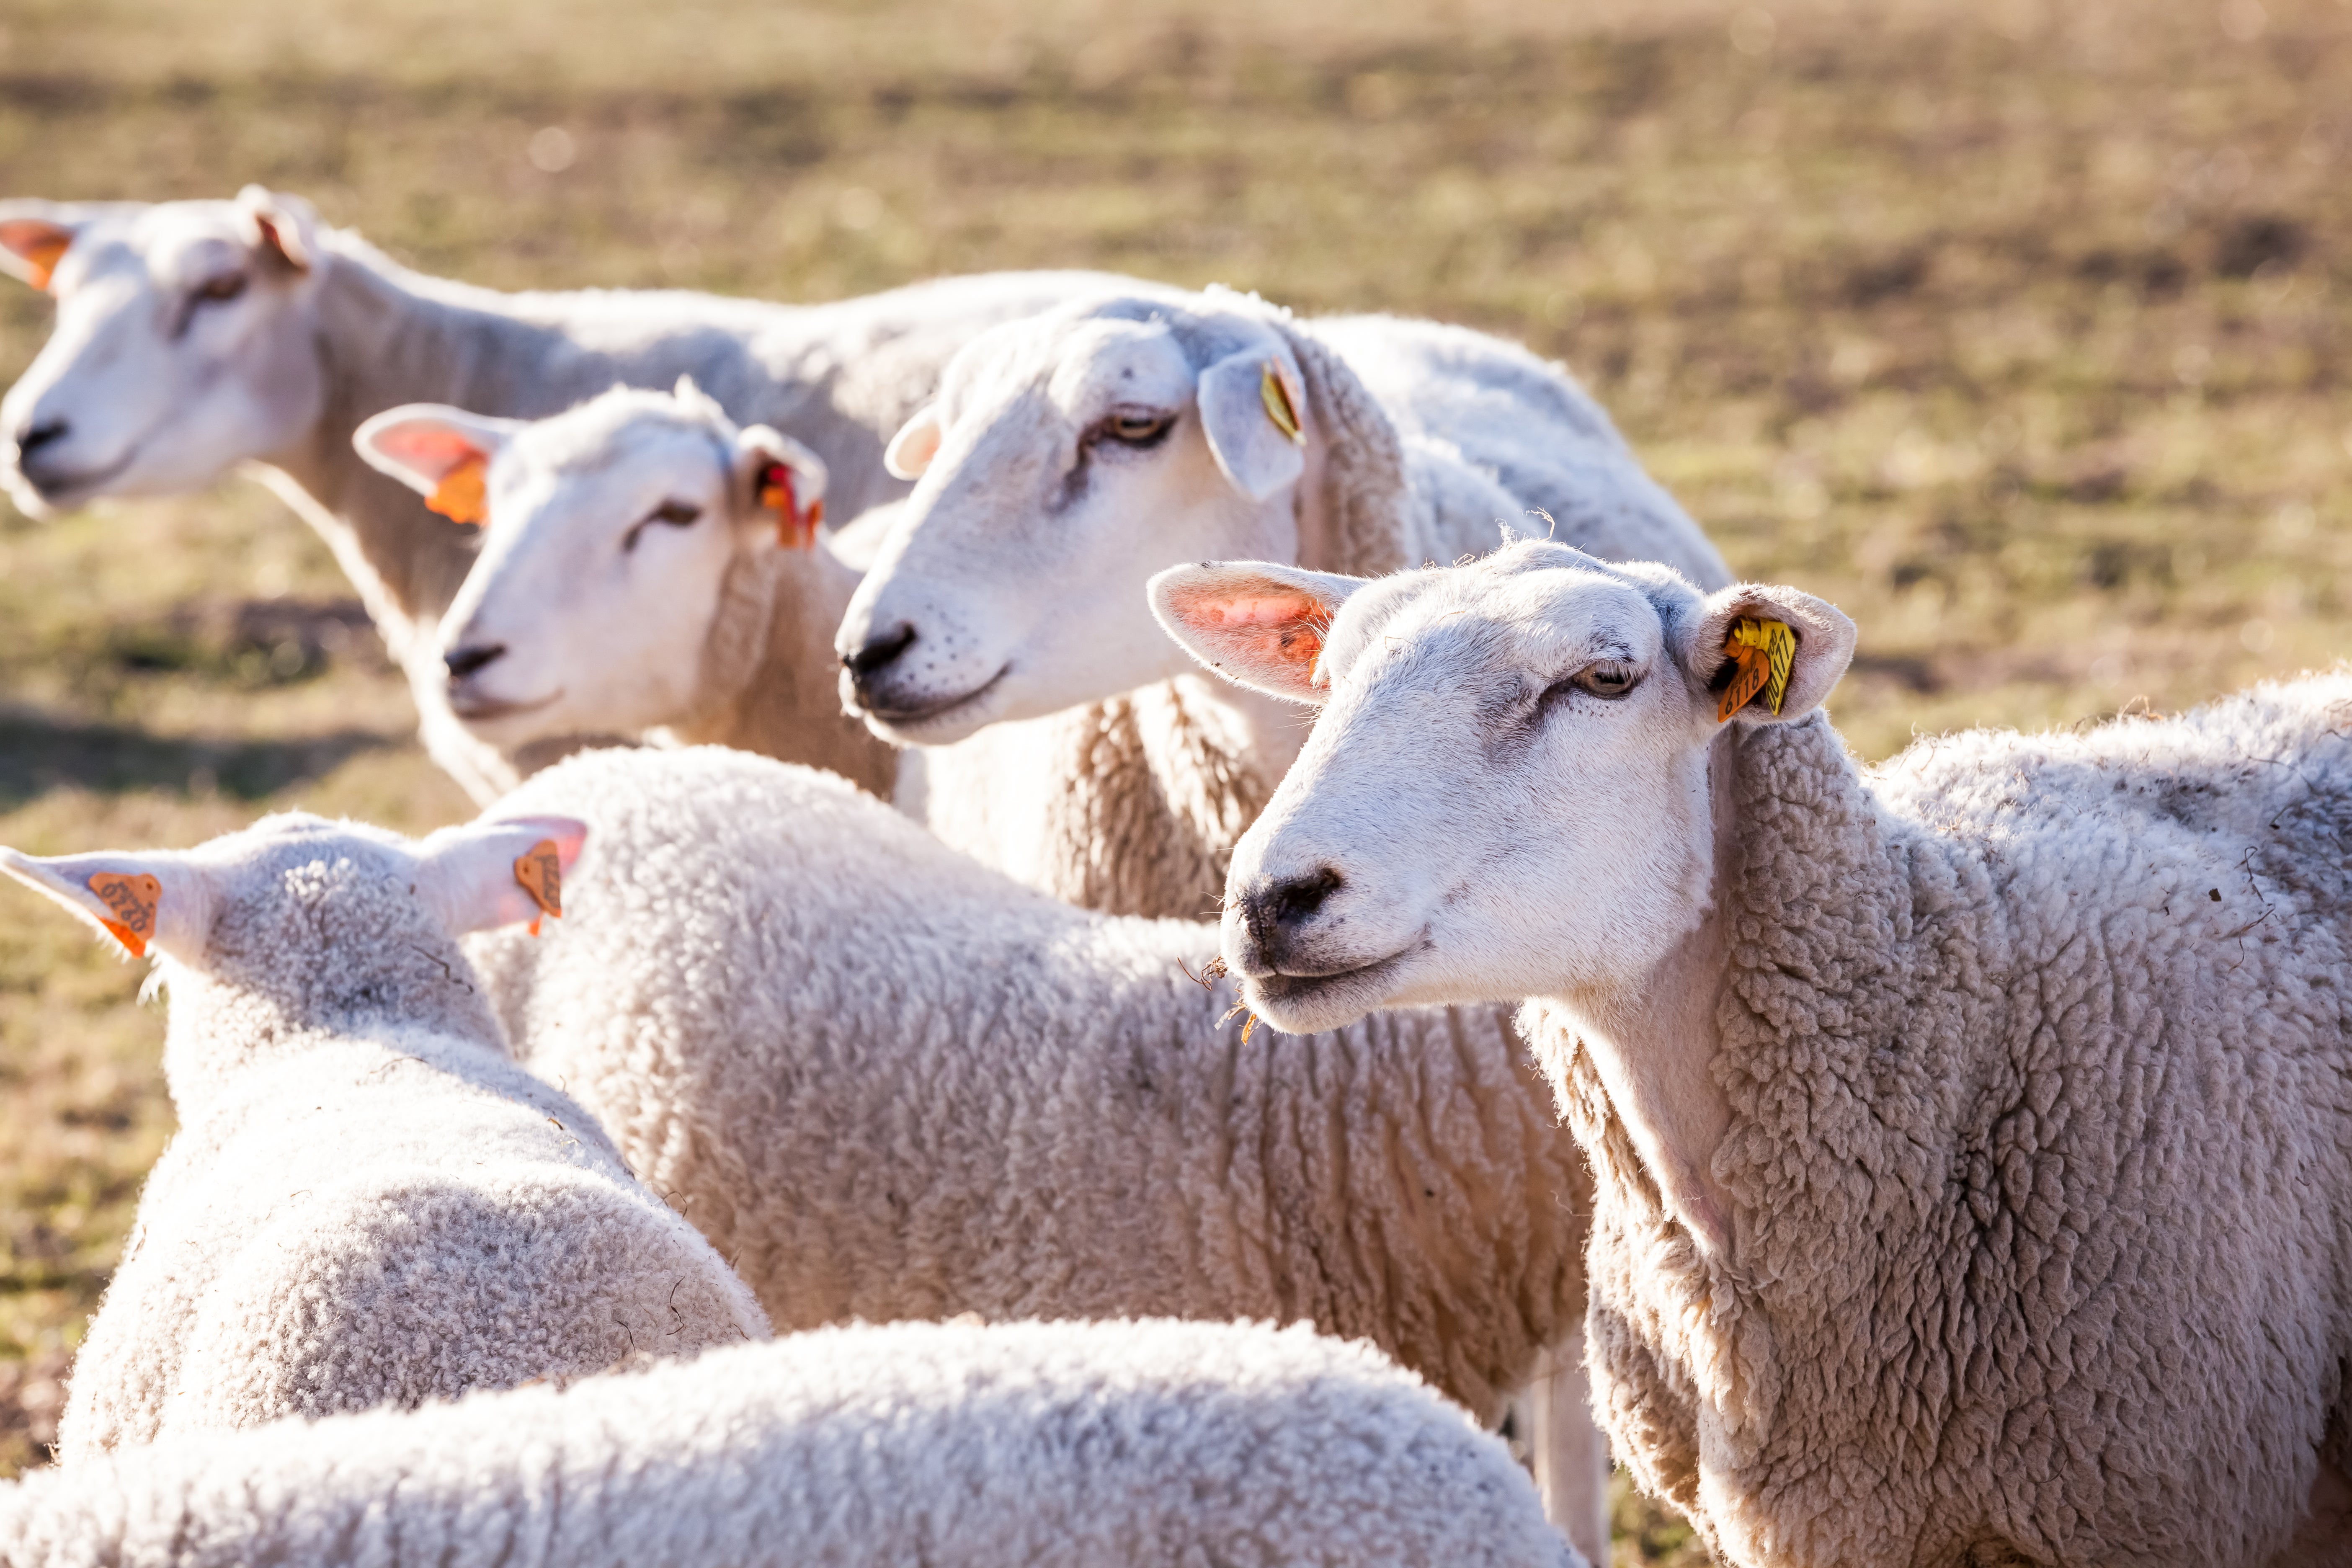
[
  {"x": 183, "y": 344},
  {"x": 1068, "y": 457},
  {"x": 1505, "y": 795},
  {"x": 610, "y": 532}
]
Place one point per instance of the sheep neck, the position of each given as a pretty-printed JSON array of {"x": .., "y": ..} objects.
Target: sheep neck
[{"x": 768, "y": 670}]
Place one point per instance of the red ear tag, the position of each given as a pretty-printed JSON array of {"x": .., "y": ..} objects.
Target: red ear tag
[
  {"x": 460, "y": 496},
  {"x": 540, "y": 870},
  {"x": 134, "y": 900},
  {"x": 795, "y": 528}
]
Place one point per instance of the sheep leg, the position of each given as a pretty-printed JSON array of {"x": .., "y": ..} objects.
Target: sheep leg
[{"x": 1570, "y": 1455}]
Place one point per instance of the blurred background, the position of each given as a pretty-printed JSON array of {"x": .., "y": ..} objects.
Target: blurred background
[{"x": 2018, "y": 328}]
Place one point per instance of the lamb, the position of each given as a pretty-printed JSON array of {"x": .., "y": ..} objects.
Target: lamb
[
  {"x": 1972, "y": 1132},
  {"x": 367, "y": 1203},
  {"x": 1072, "y": 454},
  {"x": 890, "y": 1084},
  {"x": 1058, "y": 1446},
  {"x": 648, "y": 570},
  {"x": 194, "y": 336}
]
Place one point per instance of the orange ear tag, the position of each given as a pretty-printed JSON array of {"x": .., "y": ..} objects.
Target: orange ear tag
[
  {"x": 460, "y": 496},
  {"x": 1282, "y": 401},
  {"x": 796, "y": 529},
  {"x": 540, "y": 870},
  {"x": 1766, "y": 652},
  {"x": 42, "y": 256},
  {"x": 134, "y": 900}
]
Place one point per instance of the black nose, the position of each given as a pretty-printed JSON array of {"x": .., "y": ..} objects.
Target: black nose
[
  {"x": 33, "y": 437},
  {"x": 1279, "y": 912},
  {"x": 880, "y": 650},
  {"x": 464, "y": 661}
]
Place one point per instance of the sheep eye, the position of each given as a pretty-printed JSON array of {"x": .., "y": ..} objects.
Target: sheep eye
[
  {"x": 1606, "y": 679},
  {"x": 669, "y": 514},
  {"x": 217, "y": 290},
  {"x": 1137, "y": 427}
]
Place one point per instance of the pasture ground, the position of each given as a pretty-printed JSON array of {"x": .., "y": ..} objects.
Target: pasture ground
[{"x": 2018, "y": 329}]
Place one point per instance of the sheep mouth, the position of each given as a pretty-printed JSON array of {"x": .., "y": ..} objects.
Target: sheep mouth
[
  {"x": 1304, "y": 1002},
  {"x": 481, "y": 709},
  {"x": 63, "y": 491},
  {"x": 930, "y": 716}
]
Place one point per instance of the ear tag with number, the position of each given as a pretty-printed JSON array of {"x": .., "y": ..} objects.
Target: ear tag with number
[
  {"x": 795, "y": 526},
  {"x": 540, "y": 870},
  {"x": 134, "y": 900},
  {"x": 41, "y": 259},
  {"x": 1765, "y": 652},
  {"x": 460, "y": 496},
  {"x": 1282, "y": 400}
]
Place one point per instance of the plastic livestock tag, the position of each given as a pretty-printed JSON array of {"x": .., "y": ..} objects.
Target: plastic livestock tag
[
  {"x": 1765, "y": 652},
  {"x": 133, "y": 900},
  {"x": 1282, "y": 400},
  {"x": 795, "y": 526},
  {"x": 540, "y": 872},
  {"x": 460, "y": 496}
]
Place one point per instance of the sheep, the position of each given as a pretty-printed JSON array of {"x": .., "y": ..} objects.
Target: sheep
[
  {"x": 1072, "y": 453},
  {"x": 1022, "y": 1445},
  {"x": 648, "y": 570},
  {"x": 1973, "y": 1135},
  {"x": 367, "y": 1202},
  {"x": 192, "y": 336},
  {"x": 890, "y": 1084}
]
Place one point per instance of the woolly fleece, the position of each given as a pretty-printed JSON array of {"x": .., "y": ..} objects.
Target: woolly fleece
[
  {"x": 366, "y": 1201},
  {"x": 1030, "y": 1446},
  {"x": 2036, "y": 1048},
  {"x": 891, "y": 1084}
]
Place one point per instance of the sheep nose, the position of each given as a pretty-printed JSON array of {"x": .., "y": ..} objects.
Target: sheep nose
[
  {"x": 33, "y": 437},
  {"x": 881, "y": 650},
  {"x": 464, "y": 661},
  {"x": 1278, "y": 913}
]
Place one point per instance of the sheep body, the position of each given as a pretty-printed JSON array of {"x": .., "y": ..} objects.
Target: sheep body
[
  {"x": 890, "y": 1084},
  {"x": 1026, "y": 1446},
  {"x": 367, "y": 1203}
]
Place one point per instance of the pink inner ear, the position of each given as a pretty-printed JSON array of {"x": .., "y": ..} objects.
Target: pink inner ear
[
  {"x": 428, "y": 449},
  {"x": 1269, "y": 624}
]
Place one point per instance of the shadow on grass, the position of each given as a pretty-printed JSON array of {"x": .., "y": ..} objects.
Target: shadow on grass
[{"x": 39, "y": 752}]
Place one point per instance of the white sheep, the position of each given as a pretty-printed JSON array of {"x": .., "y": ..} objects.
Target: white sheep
[
  {"x": 1072, "y": 454},
  {"x": 648, "y": 569},
  {"x": 1972, "y": 1132},
  {"x": 1141, "y": 1445},
  {"x": 193, "y": 336},
  {"x": 366, "y": 1201},
  {"x": 890, "y": 1084}
]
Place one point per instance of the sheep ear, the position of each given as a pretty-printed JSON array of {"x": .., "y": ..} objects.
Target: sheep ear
[
  {"x": 785, "y": 481},
  {"x": 1764, "y": 654},
  {"x": 285, "y": 229},
  {"x": 34, "y": 237},
  {"x": 140, "y": 900},
  {"x": 1255, "y": 414},
  {"x": 916, "y": 443},
  {"x": 497, "y": 871},
  {"x": 1257, "y": 625},
  {"x": 442, "y": 453}
]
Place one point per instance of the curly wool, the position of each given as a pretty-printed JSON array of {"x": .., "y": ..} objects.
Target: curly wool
[
  {"x": 1031, "y": 1445},
  {"x": 367, "y": 1203},
  {"x": 891, "y": 1084},
  {"x": 2040, "y": 1154}
]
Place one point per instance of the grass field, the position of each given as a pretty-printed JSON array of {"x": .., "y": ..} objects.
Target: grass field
[{"x": 2023, "y": 331}]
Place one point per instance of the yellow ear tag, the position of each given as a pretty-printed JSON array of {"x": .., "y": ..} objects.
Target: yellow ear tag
[
  {"x": 134, "y": 900},
  {"x": 1765, "y": 652},
  {"x": 460, "y": 496},
  {"x": 41, "y": 259},
  {"x": 540, "y": 872},
  {"x": 1282, "y": 401},
  {"x": 795, "y": 528}
]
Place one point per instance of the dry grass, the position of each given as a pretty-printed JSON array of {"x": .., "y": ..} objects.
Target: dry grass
[{"x": 2018, "y": 330}]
